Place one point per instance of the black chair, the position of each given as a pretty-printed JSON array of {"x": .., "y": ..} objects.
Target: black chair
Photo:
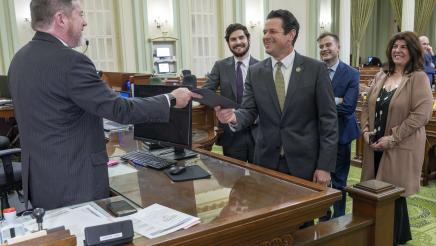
[
  {"x": 10, "y": 174},
  {"x": 186, "y": 72},
  {"x": 190, "y": 80}
]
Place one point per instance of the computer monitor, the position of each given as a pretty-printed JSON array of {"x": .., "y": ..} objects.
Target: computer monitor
[
  {"x": 163, "y": 52},
  {"x": 176, "y": 133},
  {"x": 163, "y": 67},
  {"x": 4, "y": 88}
]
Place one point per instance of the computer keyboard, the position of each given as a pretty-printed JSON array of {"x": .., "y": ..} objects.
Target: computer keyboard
[{"x": 148, "y": 160}]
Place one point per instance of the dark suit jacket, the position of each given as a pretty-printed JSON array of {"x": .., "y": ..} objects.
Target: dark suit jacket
[
  {"x": 345, "y": 84},
  {"x": 307, "y": 128},
  {"x": 223, "y": 75},
  {"x": 59, "y": 103}
]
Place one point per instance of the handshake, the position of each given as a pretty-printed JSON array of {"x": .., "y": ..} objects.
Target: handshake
[
  {"x": 225, "y": 115},
  {"x": 183, "y": 96}
]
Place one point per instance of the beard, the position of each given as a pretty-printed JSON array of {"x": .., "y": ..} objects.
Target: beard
[
  {"x": 76, "y": 38},
  {"x": 240, "y": 54}
]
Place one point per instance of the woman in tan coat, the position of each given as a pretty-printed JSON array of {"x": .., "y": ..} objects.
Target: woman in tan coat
[{"x": 399, "y": 105}]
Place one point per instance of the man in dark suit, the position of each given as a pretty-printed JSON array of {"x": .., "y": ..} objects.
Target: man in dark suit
[
  {"x": 293, "y": 98},
  {"x": 229, "y": 74},
  {"x": 59, "y": 103},
  {"x": 345, "y": 82}
]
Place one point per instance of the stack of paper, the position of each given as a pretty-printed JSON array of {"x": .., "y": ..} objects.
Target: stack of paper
[
  {"x": 157, "y": 220},
  {"x": 74, "y": 219}
]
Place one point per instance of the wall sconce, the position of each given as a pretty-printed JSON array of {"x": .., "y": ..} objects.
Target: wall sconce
[
  {"x": 252, "y": 24},
  {"x": 324, "y": 25},
  {"x": 160, "y": 24}
]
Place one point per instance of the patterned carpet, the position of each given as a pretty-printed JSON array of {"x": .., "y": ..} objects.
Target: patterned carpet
[{"x": 422, "y": 209}]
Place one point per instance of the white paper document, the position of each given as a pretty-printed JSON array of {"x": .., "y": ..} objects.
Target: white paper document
[
  {"x": 74, "y": 219},
  {"x": 157, "y": 220},
  {"x": 120, "y": 169}
]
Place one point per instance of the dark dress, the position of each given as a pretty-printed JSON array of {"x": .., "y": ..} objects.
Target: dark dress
[{"x": 402, "y": 232}]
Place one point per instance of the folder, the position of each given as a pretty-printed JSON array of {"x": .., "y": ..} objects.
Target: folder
[{"x": 211, "y": 99}]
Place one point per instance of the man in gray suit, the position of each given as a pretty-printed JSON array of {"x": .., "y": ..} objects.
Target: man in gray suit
[
  {"x": 293, "y": 98},
  {"x": 59, "y": 103},
  {"x": 229, "y": 74}
]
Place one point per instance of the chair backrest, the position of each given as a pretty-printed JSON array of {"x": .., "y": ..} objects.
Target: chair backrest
[
  {"x": 190, "y": 80},
  {"x": 186, "y": 72}
]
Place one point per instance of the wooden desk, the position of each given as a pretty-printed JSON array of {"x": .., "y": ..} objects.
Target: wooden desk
[{"x": 244, "y": 204}]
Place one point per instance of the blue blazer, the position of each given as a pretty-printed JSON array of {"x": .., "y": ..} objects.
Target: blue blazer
[{"x": 345, "y": 84}]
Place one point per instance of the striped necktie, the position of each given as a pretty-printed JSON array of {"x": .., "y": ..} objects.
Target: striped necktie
[
  {"x": 331, "y": 73},
  {"x": 280, "y": 85}
]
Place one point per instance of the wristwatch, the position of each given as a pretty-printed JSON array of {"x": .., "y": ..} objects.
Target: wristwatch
[{"x": 172, "y": 100}]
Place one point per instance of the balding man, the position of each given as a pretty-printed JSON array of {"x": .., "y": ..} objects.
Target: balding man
[
  {"x": 429, "y": 57},
  {"x": 59, "y": 103}
]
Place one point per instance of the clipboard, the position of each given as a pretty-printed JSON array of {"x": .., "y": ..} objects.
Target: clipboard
[{"x": 211, "y": 99}]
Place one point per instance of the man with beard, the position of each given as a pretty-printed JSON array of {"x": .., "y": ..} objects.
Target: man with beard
[
  {"x": 293, "y": 98},
  {"x": 229, "y": 74},
  {"x": 59, "y": 103},
  {"x": 345, "y": 82}
]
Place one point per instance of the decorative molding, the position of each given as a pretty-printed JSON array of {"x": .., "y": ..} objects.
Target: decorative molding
[{"x": 284, "y": 240}]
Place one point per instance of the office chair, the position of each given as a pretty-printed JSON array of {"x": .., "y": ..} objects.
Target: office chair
[
  {"x": 190, "y": 80},
  {"x": 10, "y": 174},
  {"x": 186, "y": 72}
]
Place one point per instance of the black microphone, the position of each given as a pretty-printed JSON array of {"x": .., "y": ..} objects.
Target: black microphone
[
  {"x": 38, "y": 214},
  {"x": 87, "y": 45}
]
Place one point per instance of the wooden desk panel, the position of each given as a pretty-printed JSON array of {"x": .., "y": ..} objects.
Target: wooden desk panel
[
  {"x": 245, "y": 204},
  {"x": 240, "y": 203}
]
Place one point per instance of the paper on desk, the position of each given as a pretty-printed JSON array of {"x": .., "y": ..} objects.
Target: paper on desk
[
  {"x": 74, "y": 219},
  {"x": 157, "y": 220},
  {"x": 120, "y": 169}
]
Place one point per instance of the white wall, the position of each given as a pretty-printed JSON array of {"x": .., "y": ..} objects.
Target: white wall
[
  {"x": 300, "y": 9},
  {"x": 161, "y": 11},
  {"x": 255, "y": 19},
  {"x": 22, "y": 11}
]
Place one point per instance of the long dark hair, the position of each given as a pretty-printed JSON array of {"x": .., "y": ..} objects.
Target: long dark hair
[{"x": 416, "y": 61}]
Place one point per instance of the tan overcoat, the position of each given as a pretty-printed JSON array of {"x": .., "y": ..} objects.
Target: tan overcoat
[{"x": 409, "y": 111}]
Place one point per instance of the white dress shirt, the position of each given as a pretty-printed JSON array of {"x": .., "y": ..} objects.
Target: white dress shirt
[{"x": 244, "y": 66}]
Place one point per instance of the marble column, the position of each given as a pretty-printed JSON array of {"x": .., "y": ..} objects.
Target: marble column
[
  {"x": 408, "y": 15},
  {"x": 345, "y": 30}
]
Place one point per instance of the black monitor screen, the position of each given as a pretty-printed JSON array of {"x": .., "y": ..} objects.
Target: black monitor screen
[{"x": 177, "y": 132}]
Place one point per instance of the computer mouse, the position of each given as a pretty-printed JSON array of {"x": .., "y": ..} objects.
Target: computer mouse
[{"x": 176, "y": 170}]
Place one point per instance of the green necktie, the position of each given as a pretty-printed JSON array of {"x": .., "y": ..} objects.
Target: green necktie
[{"x": 280, "y": 85}]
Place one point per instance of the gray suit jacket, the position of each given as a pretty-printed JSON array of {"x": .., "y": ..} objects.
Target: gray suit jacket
[
  {"x": 59, "y": 103},
  {"x": 223, "y": 75},
  {"x": 307, "y": 127}
]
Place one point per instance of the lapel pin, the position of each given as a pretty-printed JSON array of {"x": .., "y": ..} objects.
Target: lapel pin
[{"x": 298, "y": 69}]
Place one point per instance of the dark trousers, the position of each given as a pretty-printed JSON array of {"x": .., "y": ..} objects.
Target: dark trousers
[
  {"x": 283, "y": 168},
  {"x": 241, "y": 149},
  {"x": 402, "y": 232},
  {"x": 339, "y": 180}
]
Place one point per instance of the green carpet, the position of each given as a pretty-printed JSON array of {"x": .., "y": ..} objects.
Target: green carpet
[{"x": 421, "y": 207}]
